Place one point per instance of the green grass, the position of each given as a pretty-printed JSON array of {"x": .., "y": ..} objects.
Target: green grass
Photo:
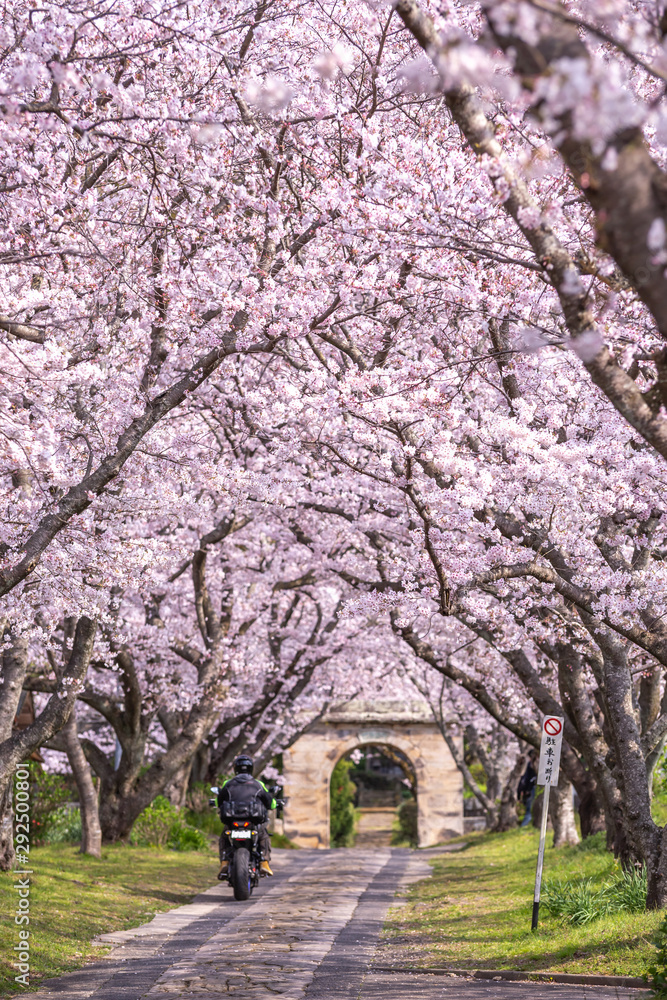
[
  {"x": 74, "y": 898},
  {"x": 475, "y": 913}
]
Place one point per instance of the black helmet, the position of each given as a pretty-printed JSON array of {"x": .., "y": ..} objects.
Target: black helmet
[{"x": 243, "y": 764}]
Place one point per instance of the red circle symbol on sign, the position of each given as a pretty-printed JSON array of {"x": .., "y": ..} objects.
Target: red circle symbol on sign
[{"x": 552, "y": 726}]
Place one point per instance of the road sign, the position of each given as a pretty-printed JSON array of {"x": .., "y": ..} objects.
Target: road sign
[{"x": 552, "y": 739}]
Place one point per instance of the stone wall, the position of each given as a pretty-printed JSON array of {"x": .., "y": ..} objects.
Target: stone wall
[{"x": 308, "y": 764}]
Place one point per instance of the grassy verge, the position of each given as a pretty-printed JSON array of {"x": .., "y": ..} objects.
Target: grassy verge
[
  {"x": 475, "y": 913},
  {"x": 72, "y": 899}
]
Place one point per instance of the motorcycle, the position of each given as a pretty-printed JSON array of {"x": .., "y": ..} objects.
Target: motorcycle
[{"x": 240, "y": 829}]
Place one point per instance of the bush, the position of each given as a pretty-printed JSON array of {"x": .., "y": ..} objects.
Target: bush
[
  {"x": 407, "y": 823},
  {"x": 48, "y": 793},
  {"x": 153, "y": 827},
  {"x": 162, "y": 825},
  {"x": 580, "y": 902},
  {"x": 343, "y": 814},
  {"x": 64, "y": 826},
  {"x": 186, "y": 838}
]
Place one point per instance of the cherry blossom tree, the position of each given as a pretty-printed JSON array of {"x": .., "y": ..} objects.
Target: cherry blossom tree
[
  {"x": 156, "y": 223},
  {"x": 458, "y": 716},
  {"x": 377, "y": 293},
  {"x": 236, "y": 650},
  {"x": 595, "y": 98}
]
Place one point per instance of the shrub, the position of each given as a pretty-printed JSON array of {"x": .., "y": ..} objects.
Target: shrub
[
  {"x": 48, "y": 792},
  {"x": 343, "y": 814},
  {"x": 162, "y": 825},
  {"x": 153, "y": 827},
  {"x": 186, "y": 838},
  {"x": 64, "y": 826},
  {"x": 580, "y": 902}
]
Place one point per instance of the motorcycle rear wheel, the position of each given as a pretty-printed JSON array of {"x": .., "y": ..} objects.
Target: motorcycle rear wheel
[{"x": 241, "y": 879}]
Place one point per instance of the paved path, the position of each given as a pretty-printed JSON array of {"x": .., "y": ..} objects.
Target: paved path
[
  {"x": 375, "y": 827},
  {"x": 308, "y": 934}
]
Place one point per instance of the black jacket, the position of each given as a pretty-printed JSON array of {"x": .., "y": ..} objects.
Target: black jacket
[{"x": 250, "y": 795}]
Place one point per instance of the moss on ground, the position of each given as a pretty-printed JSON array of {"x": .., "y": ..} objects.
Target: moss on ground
[{"x": 475, "y": 913}]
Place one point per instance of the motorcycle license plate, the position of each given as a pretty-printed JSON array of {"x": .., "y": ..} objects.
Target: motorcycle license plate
[{"x": 241, "y": 833}]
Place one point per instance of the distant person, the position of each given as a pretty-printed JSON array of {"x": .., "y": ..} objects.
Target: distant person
[
  {"x": 528, "y": 787},
  {"x": 243, "y": 788}
]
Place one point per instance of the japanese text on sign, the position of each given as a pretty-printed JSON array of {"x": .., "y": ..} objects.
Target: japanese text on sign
[{"x": 552, "y": 738}]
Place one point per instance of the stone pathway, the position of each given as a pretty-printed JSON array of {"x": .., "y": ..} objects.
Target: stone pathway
[
  {"x": 375, "y": 827},
  {"x": 308, "y": 934}
]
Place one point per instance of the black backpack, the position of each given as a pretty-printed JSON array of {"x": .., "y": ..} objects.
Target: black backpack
[{"x": 243, "y": 802}]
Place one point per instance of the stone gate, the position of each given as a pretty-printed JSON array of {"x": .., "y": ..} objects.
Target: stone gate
[{"x": 407, "y": 727}]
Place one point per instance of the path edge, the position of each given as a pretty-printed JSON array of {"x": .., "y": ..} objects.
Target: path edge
[{"x": 631, "y": 982}]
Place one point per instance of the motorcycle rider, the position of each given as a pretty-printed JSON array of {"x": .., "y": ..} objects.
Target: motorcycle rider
[{"x": 244, "y": 788}]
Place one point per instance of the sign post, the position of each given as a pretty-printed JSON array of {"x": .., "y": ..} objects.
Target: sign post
[{"x": 547, "y": 775}]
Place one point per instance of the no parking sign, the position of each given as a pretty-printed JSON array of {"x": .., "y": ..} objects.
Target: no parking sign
[{"x": 552, "y": 739}]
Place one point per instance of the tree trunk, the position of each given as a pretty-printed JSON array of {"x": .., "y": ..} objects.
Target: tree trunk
[
  {"x": 638, "y": 838},
  {"x": 117, "y": 815},
  {"x": 177, "y": 788},
  {"x": 507, "y": 817},
  {"x": 591, "y": 812},
  {"x": 20, "y": 745},
  {"x": 119, "y": 802},
  {"x": 12, "y": 674},
  {"x": 561, "y": 813},
  {"x": 200, "y": 763},
  {"x": 91, "y": 832},
  {"x": 125, "y": 793},
  {"x": 14, "y": 668},
  {"x": 6, "y": 824},
  {"x": 594, "y": 748}
]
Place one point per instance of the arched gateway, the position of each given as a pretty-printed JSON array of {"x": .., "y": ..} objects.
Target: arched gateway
[{"x": 408, "y": 727}]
